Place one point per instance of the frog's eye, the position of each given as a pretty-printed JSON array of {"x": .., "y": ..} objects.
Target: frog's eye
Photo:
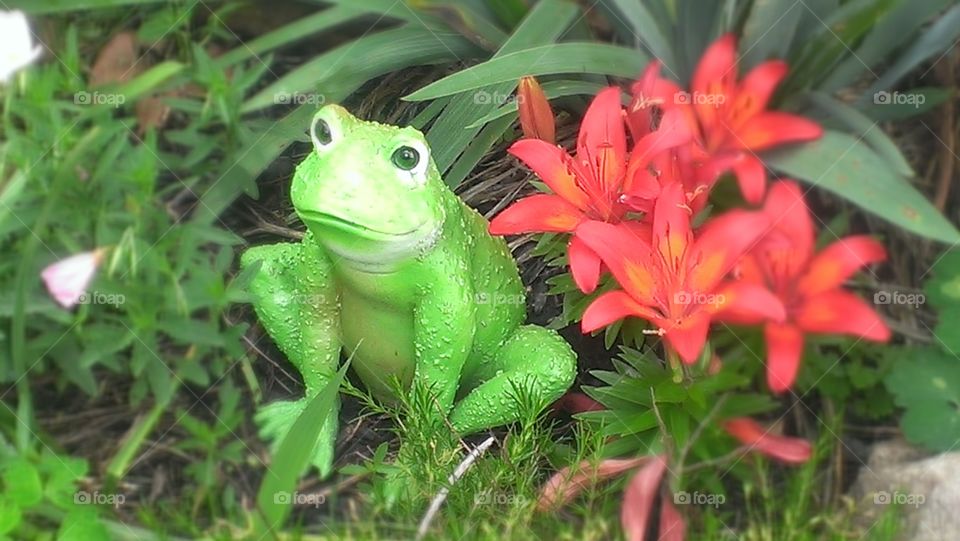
[
  {"x": 405, "y": 158},
  {"x": 410, "y": 160},
  {"x": 323, "y": 133}
]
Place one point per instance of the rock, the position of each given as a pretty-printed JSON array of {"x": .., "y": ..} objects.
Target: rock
[{"x": 925, "y": 487}]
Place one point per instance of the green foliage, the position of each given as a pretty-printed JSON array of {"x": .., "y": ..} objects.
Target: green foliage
[
  {"x": 850, "y": 374},
  {"x": 647, "y": 407},
  {"x": 292, "y": 459},
  {"x": 926, "y": 383},
  {"x": 40, "y": 488},
  {"x": 942, "y": 292},
  {"x": 926, "y": 380}
]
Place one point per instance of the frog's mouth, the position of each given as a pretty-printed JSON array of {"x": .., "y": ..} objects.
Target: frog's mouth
[
  {"x": 367, "y": 248},
  {"x": 343, "y": 225}
]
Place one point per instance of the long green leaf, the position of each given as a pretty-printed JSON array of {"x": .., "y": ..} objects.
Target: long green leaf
[
  {"x": 365, "y": 58},
  {"x": 149, "y": 80},
  {"x": 646, "y": 30},
  {"x": 917, "y": 102},
  {"x": 847, "y": 167},
  {"x": 935, "y": 40},
  {"x": 255, "y": 157},
  {"x": 552, "y": 89},
  {"x": 828, "y": 44},
  {"x": 447, "y": 136},
  {"x": 890, "y": 32},
  {"x": 769, "y": 30},
  {"x": 575, "y": 57},
  {"x": 58, "y": 6},
  {"x": 299, "y": 29},
  {"x": 488, "y": 136},
  {"x": 862, "y": 126},
  {"x": 292, "y": 458},
  {"x": 695, "y": 30}
]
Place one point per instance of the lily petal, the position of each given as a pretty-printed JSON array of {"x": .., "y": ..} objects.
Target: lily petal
[
  {"x": 720, "y": 245},
  {"x": 747, "y": 303},
  {"x": 792, "y": 247},
  {"x": 772, "y": 128},
  {"x": 715, "y": 76},
  {"x": 672, "y": 132},
  {"x": 603, "y": 127},
  {"x": 687, "y": 336},
  {"x": 551, "y": 164},
  {"x": 671, "y": 227},
  {"x": 627, "y": 255},
  {"x": 784, "y": 351},
  {"x": 672, "y": 527},
  {"x": 839, "y": 261},
  {"x": 756, "y": 89},
  {"x": 751, "y": 176},
  {"x": 584, "y": 265},
  {"x": 785, "y": 449},
  {"x": 539, "y": 213},
  {"x": 570, "y": 481},
  {"x": 638, "y": 499},
  {"x": 574, "y": 402},
  {"x": 610, "y": 307},
  {"x": 841, "y": 312}
]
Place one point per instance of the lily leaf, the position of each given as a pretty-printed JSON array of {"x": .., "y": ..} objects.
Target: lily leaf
[
  {"x": 848, "y": 167},
  {"x": 575, "y": 57}
]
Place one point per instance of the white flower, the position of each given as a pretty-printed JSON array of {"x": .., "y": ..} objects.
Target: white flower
[
  {"x": 16, "y": 44},
  {"x": 67, "y": 279}
]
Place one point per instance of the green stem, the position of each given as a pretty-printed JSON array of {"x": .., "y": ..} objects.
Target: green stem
[
  {"x": 121, "y": 461},
  {"x": 675, "y": 365}
]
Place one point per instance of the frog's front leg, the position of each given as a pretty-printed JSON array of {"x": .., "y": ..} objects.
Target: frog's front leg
[
  {"x": 532, "y": 358},
  {"x": 296, "y": 301},
  {"x": 443, "y": 334}
]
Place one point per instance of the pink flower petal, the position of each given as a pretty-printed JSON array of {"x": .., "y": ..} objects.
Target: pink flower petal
[
  {"x": 567, "y": 483},
  {"x": 67, "y": 279},
  {"x": 638, "y": 498}
]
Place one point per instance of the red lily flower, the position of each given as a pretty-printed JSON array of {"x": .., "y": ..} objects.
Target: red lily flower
[
  {"x": 730, "y": 117},
  {"x": 675, "y": 281},
  {"x": 586, "y": 188},
  {"x": 807, "y": 283}
]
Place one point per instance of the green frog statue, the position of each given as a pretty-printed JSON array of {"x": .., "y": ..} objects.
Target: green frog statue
[{"x": 400, "y": 274}]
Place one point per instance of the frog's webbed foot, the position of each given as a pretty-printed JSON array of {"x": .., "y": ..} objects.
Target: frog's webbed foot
[
  {"x": 276, "y": 419},
  {"x": 533, "y": 358}
]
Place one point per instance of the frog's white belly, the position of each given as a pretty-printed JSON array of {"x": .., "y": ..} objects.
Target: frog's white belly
[{"x": 380, "y": 338}]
